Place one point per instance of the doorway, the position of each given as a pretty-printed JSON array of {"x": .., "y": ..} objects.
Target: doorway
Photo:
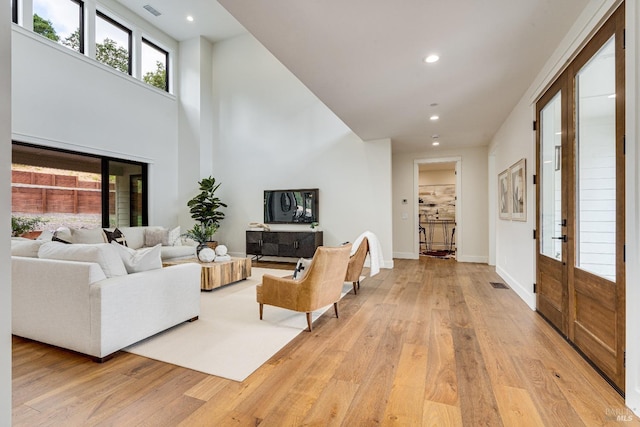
[
  {"x": 437, "y": 208},
  {"x": 580, "y": 201}
]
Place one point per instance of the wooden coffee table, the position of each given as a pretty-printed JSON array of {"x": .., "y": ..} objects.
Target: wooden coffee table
[{"x": 216, "y": 274}]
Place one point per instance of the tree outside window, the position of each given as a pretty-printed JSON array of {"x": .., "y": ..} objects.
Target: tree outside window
[
  {"x": 154, "y": 65},
  {"x": 58, "y": 20}
]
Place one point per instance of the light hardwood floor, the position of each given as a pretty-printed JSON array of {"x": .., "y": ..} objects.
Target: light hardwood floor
[{"x": 429, "y": 343}]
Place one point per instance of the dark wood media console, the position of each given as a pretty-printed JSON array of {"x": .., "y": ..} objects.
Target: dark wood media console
[{"x": 295, "y": 244}]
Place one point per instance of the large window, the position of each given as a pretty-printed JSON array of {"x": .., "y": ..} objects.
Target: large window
[
  {"x": 60, "y": 21},
  {"x": 154, "y": 65},
  {"x": 67, "y": 189},
  {"x": 113, "y": 43}
]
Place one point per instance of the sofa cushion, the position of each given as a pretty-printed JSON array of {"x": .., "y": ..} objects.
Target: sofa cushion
[
  {"x": 55, "y": 238},
  {"x": 103, "y": 254},
  {"x": 26, "y": 247},
  {"x": 63, "y": 233},
  {"x": 115, "y": 236},
  {"x": 46, "y": 235},
  {"x": 139, "y": 260},
  {"x": 178, "y": 251},
  {"x": 134, "y": 236},
  {"x": 301, "y": 268},
  {"x": 87, "y": 235},
  {"x": 156, "y": 236},
  {"x": 173, "y": 236}
]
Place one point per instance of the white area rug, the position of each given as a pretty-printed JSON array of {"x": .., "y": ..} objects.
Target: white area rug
[{"x": 229, "y": 340}]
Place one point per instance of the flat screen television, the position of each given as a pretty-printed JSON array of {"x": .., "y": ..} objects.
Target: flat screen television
[{"x": 291, "y": 206}]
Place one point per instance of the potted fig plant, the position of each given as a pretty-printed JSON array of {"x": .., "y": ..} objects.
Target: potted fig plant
[{"x": 205, "y": 210}]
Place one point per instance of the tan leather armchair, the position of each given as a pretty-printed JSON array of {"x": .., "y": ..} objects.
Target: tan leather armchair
[
  {"x": 356, "y": 263},
  {"x": 320, "y": 286}
]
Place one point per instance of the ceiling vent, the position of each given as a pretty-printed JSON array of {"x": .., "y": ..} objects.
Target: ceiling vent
[{"x": 152, "y": 10}]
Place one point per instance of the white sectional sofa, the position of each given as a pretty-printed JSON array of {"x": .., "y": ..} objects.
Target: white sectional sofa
[{"x": 93, "y": 306}]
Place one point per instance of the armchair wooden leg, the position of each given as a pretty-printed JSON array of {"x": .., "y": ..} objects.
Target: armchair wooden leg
[
  {"x": 355, "y": 291},
  {"x": 358, "y": 284},
  {"x": 261, "y": 308},
  {"x": 309, "y": 320},
  {"x": 335, "y": 308}
]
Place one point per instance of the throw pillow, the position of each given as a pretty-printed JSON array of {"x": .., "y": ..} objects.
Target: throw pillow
[
  {"x": 301, "y": 268},
  {"x": 64, "y": 233},
  {"x": 139, "y": 260},
  {"x": 155, "y": 236},
  {"x": 26, "y": 248},
  {"x": 87, "y": 235},
  {"x": 115, "y": 236},
  {"x": 55, "y": 238},
  {"x": 102, "y": 254},
  {"x": 173, "y": 237}
]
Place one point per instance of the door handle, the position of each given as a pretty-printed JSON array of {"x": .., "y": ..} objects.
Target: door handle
[{"x": 563, "y": 238}]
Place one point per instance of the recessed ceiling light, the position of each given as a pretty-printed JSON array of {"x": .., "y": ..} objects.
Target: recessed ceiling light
[
  {"x": 434, "y": 117},
  {"x": 190, "y": 18},
  {"x": 431, "y": 59},
  {"x": 435, "y": 143}
]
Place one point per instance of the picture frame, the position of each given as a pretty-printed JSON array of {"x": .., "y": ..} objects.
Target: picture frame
[
  {"x": 518, "y": 190},
  {"x": 504, "y": 195}
]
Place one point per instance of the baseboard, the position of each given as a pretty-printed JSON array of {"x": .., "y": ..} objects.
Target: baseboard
[
  {"x": 525, "y": 294},
  {"x": 472, "y": 258},
  {"x": 405, "y": 255}
]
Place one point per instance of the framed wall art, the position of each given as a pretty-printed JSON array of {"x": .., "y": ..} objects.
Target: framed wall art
[
  {"x": 518, "y": 185},
  {"x": 504, "y": 195}
]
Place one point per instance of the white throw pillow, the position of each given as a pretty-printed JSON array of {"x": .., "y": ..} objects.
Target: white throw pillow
[
  {"x": 139, "y": 260},
  {"x": 46, "y": 235},
  {"x": 173, "y": 237},
  {"x": 27, "y": 248},
  {"x": 87, "y": 235},
  {"x": 301, "y": 268},
  {"x": 103, "y": 254}
]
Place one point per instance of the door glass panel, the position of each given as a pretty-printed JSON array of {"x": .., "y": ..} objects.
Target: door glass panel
[
  {"x": 551, "y": 179},
  {"x": 596, "y": 164},
  {"x": 125, "y": 205}
]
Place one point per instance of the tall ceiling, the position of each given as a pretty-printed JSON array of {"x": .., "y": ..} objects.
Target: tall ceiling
[{"x": 365, "y": 58}]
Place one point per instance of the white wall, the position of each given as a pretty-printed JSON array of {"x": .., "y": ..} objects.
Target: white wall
[
  {"x": 273, "y": 133},
  {"x": 5, "y": 214},
  {"x": 62, "y": 99},
  {"x": 471, "y": 242},
  {"x": 195, "y": 120},
  {"x": 515, "y": 247}
]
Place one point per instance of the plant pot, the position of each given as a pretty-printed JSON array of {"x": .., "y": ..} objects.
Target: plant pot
[
  {"x": 200, "y": 247},
  {"x": 212, "y": 244}
]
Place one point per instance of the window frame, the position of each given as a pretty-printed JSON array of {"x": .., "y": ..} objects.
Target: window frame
[
  {"x": 166, "y": 61},
  {"x": 104, "y": 172},
  {"x": 14, "y": 11},
  {"x": 110, "y": 20}
]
